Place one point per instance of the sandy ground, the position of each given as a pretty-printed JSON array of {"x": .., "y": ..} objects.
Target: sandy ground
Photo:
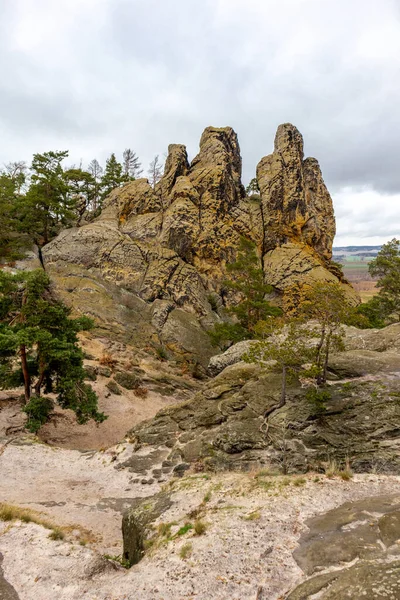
[{"x": 252, "y": 526}]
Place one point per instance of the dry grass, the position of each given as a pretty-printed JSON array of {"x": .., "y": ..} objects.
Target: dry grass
[
  {"x": 199, "y": 527},
  {"x": 332, "y": 469},
  {"x": 9, "y": 512},
  {"x": 106, "y": 360},
  {"x": 186, "y": 550},
  {"x": 141, "y": 392}
]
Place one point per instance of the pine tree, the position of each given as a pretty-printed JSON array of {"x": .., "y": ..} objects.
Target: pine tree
[
  {"x": 96, "y": 170},
  {"x": 155, "y": 171},
  {"x": 47, "y": 205},
  {"x": 39, "y": 347},
  {"x": 113, "y": 177},
  {"x": 249, "y": 305},
  {"x": 326, "y": 303},
  {"x": 386, "y": 266},
  {"x": 11, "y": 243},
  {"x": 131, "y": 165},
  {"x": 81, "y": 188}
]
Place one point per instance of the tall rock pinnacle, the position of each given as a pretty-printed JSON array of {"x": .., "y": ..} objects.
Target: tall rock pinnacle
[{"x": 298, "y": 217}]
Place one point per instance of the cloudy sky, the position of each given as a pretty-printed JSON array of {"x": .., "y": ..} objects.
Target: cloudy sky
[{"x": 96, "y": 76}]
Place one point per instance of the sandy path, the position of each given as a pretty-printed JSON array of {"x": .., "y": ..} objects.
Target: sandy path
[
  {"x": 237, "y": 554},
  {"x": 74, "y": 488}
]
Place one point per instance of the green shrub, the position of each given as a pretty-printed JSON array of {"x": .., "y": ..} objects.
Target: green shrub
[
  {"x": 38, "y": 410},
  {"x": 113, "y": 387},
  {"x": 161, "y": 353},
  {"x": 186, "y": 527},
  {"x": 129, "y": 381},
  {"x": 318, "y": 399}
]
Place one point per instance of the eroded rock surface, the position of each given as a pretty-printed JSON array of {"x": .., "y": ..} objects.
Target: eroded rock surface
[
  {"x": 150, "y": 269},
  {"x": 360, "y": 541},
  {"x": 224, "y": 424},
  {"x": 298, "y": 217}
]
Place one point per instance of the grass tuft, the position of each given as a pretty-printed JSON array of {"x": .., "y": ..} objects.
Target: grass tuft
[
  {"x": 186, "y": 550},
  {"x": 199, "y": 527}
]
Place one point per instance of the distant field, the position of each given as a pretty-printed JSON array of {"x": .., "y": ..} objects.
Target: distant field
[{"x": 357, "y": 273}]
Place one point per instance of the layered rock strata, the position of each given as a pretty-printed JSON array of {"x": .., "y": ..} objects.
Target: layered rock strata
[{"x": 150, "y": 268}]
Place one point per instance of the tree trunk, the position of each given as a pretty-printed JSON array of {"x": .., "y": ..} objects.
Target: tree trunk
[
  {"x": 283, "y": 389},
  {"x": 325, "y": 371},
  {"x": 25, "y": 371},
  {"x": 319, "y": 350},
  {"x": 39, "y": 383}
]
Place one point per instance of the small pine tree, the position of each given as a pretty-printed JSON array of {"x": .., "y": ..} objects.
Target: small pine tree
[
  {"x": 47, "y": 205},
  {"x": 131, "y": 165},
  {"x": 285, "y": 342},
  {"x": 253, "y": 189},
  {"x": 386, "y": 266},
  {"x": 39, "y": 346},
  {"x": 112, "y": 178},
  {"x": 249, "y": 289},
  {"x": 326, "y": 303}
]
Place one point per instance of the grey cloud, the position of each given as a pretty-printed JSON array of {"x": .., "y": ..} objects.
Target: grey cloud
[{"x": 144, "y": 73}]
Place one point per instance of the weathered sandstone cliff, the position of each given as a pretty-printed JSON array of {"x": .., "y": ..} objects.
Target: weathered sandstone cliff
[{"x": 150, "y": 268}]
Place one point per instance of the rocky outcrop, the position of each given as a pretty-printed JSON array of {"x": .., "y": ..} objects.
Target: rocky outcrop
[
  {"x": 224, "y": 425},
  {"x": 298, "y": 218},
  {"x": 148, "y": 266},
  {"x": 356, "y": 547}
]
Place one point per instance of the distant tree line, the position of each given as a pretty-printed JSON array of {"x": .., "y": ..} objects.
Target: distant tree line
[{"x": 36, "y": 202}]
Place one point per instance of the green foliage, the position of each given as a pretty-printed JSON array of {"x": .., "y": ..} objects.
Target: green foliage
[
  {"x": 81, "y": 189},
  {"x": 38, "y": 410},
  {"x": 184, "y": 529},
  {"x": 285, "y": 342},
  {"x": 253, "y": 188},
  {"x": 326, "y": 303},
  {"x": 11, "y": 243},
  {"x": 39, "y": 344},
  {"x": 47, "y": 205},
  {"x": 368, "y": 314},
  {"x": 318, "y": 399},
  {"x": 119, "y": 559},
  {"x": 225, "y": 334},
  {"x": 386, "y": 266},
  {"x": 247, "y": 287},
  {"x": 113, "y": 177}
]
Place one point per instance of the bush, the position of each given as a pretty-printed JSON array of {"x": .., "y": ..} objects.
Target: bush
[
  {"x": 107, "y": 360},
  {"x": 38, "y": 410},
  {"x": 129, "y": 381},
  {"x": 318, "y": 399},
  {"x": 113, "y": 387},
  {"x": 161, "y": 353}
]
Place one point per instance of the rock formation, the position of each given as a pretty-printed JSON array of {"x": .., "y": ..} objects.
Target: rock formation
[
  {"x": 150, "y": 268},
  {"x": 224, "y": 425},
  {"x": 297, "y": 214}
]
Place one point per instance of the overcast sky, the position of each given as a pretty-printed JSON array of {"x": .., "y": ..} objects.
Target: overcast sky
[{"x": 97, "y": 76}]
